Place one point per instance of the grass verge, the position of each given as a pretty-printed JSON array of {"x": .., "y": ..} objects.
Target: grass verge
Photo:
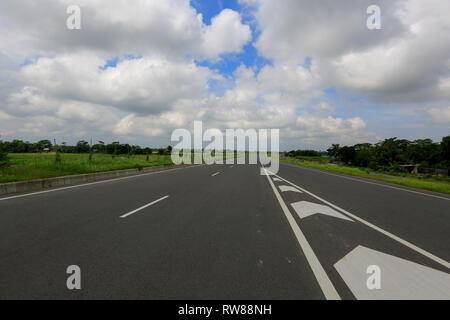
[
  {"x": 425, "y": 183},
  {"x": 39, "y": 166}
]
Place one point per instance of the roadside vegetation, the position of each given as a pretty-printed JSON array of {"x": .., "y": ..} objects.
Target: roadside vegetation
[
  {"x": 431, "y": 183},
  {"x": 20, "y": 161},
  {"x": 421, "y": 164},
  {"x": 29, "y": 166},
  {"x": 4, "y": 160}
]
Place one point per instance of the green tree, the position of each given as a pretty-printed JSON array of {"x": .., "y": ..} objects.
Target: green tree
[
  {"x": 392, "y": 151},
  {"x": 58, "y": 159},
  {"x": 347, "y": 155},
  {"x": 424, "y": 151},
  {"x": 3, "y": 156},
  {"x": 334, "y": 151},
  {"x": 364, "y": 154},
  {"x": 99, "y": 147},
  {"x": 445, "y": 151},
  {"x": 18, "y": 146},
  {"x": 43, "y": 144},
  {"x": 83, "y": 147}
]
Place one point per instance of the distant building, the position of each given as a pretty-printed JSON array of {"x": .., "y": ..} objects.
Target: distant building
[{"x": 409, "y": 168}]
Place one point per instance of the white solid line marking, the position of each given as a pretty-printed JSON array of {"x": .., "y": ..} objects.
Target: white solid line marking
[
  {"x": 215, "y": 174},
  {"x": 322, "y": 278},
  {"x": 374, "y": 183},
  {"x": 143, "y": 207},
  {"x": 93, "y": 183},
  {"x": 386, "y": 233}
]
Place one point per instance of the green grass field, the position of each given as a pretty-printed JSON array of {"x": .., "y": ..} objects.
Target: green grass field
[
  {"x": 38, "y": 166},
  {"x": 29, "y": 166},
  {"x": 420, "y": 182}
]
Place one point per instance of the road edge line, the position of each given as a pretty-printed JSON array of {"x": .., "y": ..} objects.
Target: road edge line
[
  {"x": 319, "y": 272},
  {"x": 94, "y": 183},
  {"x": 361, "y": 179}
]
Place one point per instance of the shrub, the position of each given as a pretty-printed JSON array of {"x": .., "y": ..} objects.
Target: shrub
[
  {"x": 57, "y": 157},
  {"x": 4, "y": 160}
]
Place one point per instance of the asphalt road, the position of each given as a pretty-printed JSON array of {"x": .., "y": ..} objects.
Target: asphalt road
[{"x": 227, "y": 232}]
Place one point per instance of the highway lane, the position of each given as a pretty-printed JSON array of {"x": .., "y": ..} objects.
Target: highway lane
[
  {"x": 216, "y": 237},
  {"x": 421, "y": 218},
  {"x": 226, "y": 232},
  {"x": 404, "y": 232}
]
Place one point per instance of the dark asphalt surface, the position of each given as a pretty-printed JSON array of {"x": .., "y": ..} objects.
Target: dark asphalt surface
[{"x": 215, "y": 237}]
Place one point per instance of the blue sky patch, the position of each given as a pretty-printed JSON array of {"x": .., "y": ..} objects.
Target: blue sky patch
[
  {"x": 112, "y": 63},
  {"x": 211, "y": 8}
]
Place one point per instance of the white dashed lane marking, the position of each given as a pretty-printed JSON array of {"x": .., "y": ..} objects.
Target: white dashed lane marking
[{"x": 143, "y": 207}]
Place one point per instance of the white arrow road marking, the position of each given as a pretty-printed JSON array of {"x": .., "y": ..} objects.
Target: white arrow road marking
[
  {"x": 277, "y": 180},
  {"x": 322, "y": 278},
  {"x": 400, "y": 279},
  {"x": 143, "y": 207},
  {"x": 370, "y": 225},
  {"x": 305, "y": 209},
  {"x": 289, "y": 188}
]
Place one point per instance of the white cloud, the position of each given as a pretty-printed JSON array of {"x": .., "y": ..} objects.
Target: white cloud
[
  {"x": 226, "y": 34},
  {"x": 251, "y": 104},
  {"x": 405, "y": 62},
  {"x": 292, "y": 30},
  {"x": 146, "y": 85},
  {"x": 63, "y": 89},
  {"x": 323, "y": 108},
  {"x": 171, "y": 28},
  {"x": 440, "y": 115}
]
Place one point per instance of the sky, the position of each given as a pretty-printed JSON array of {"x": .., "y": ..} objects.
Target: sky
[{"x": 138, "y": 70}]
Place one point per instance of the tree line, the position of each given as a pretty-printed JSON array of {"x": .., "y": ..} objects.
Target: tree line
[
  {"x": 388, "y": 154},
  {"x": 116, "y": 148},
  {"x": 392, "y": 153},
  {"x": 305, "y": 153}
]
